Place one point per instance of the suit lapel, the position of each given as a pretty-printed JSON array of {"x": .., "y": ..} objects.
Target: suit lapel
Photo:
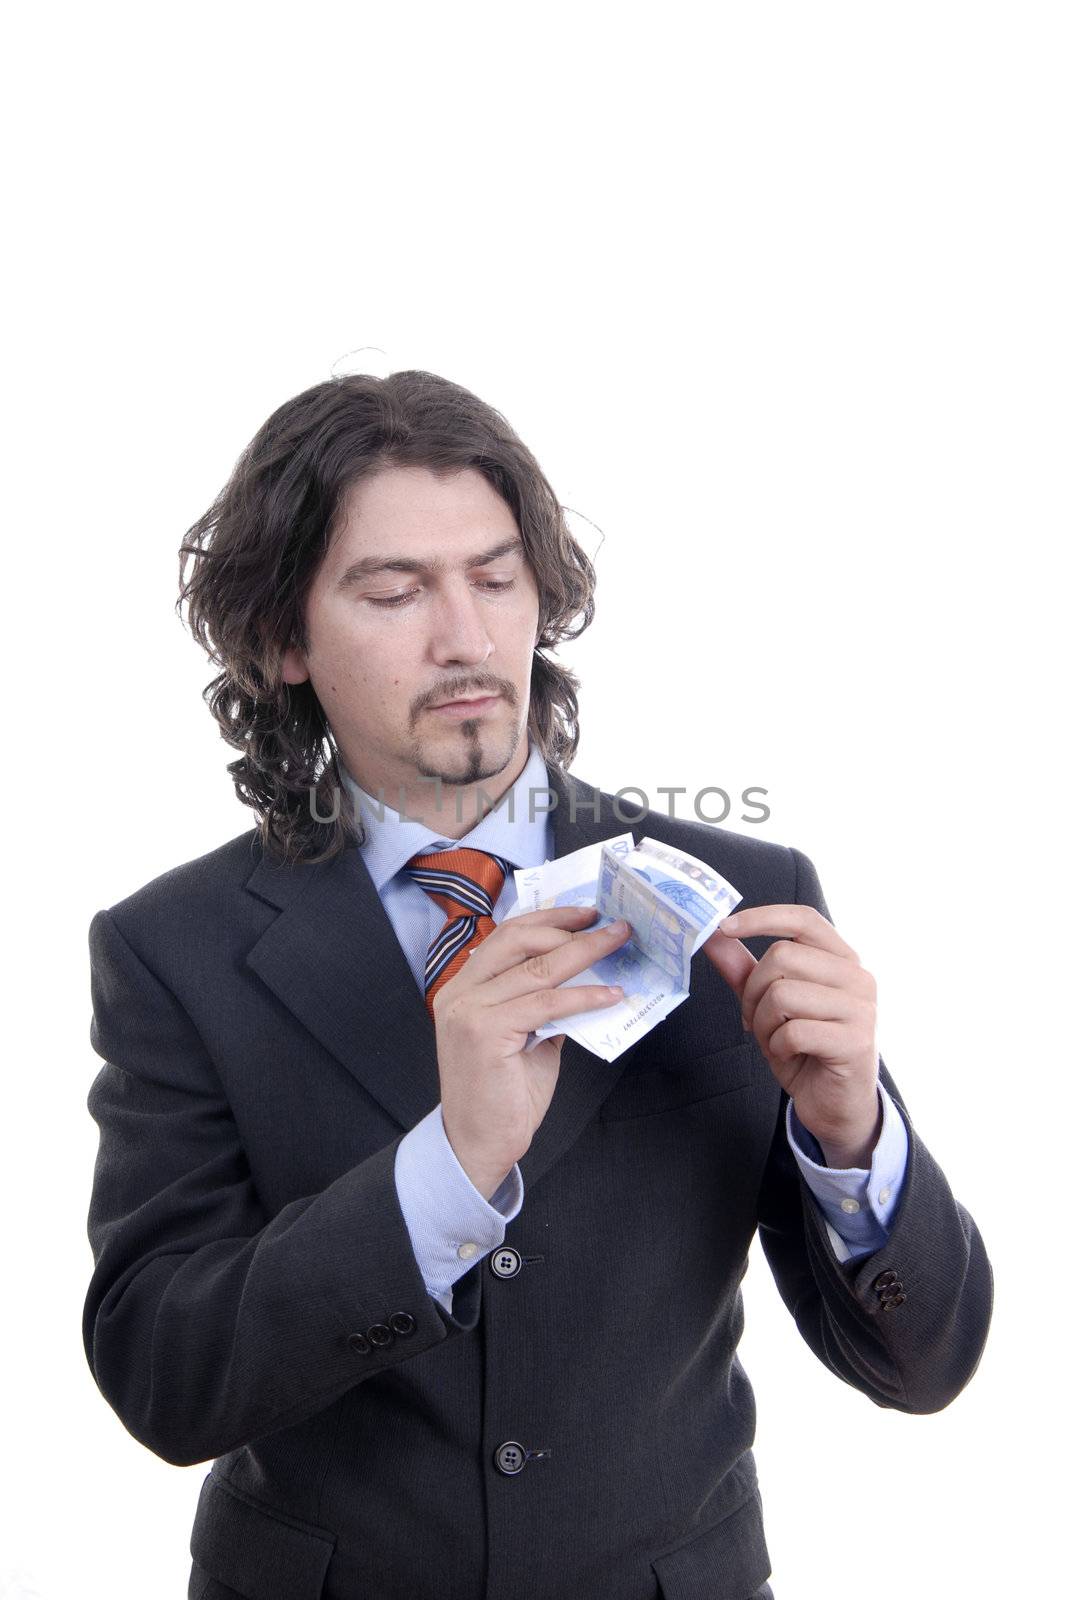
[{"x": 332, "y": 958}]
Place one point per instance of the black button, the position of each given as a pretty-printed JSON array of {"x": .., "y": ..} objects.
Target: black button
[
  {"x": 884, "y": 1280},
  {"x": 358, "y": 1342},
  {"x": 505, "y": 1263},
  {"x": 890, "y": 1300},
  {"x": 380, "y": 1334},
  {"x": 510, "y": 1457},
  {"x": 402, "y": 1322}
]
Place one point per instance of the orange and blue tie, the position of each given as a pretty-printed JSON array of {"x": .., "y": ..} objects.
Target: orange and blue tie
[{"x": 465, "y": 883}]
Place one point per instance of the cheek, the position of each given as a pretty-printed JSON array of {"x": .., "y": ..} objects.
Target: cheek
[
  {"x": 342, "y": 646},
  {"x": 369, "y": 675},
  {"x": 525, "y": 618}
]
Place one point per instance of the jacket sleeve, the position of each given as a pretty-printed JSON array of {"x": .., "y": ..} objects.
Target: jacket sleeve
[
  {"x": 907, "y": 1324},
  {"x": 207, "y": 1322}
]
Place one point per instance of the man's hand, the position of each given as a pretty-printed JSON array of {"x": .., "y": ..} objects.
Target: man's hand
[
  {"x": 494, "y": 1094},
  {"x": 813, "y": 1010}
]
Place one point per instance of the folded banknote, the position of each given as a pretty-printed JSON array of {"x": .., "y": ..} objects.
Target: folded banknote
[{"x": 672, "y": 902}]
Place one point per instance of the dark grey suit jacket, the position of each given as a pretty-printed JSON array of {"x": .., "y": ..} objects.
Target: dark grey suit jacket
[{"x": 256, "y": 1300}]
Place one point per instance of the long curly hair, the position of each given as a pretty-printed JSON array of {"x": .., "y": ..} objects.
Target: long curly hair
[{"x": 246, "y": 565}]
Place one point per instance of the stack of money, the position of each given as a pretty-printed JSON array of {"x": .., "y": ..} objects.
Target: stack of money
[{"x": 672, "y": 902}]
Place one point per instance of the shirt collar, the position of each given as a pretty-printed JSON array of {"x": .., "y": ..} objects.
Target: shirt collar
[{"x": 391, "y": 839}]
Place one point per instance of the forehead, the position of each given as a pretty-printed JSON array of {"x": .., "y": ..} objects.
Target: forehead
[{"x": 416, "y": 512}]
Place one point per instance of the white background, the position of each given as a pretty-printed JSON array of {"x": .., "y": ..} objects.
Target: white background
[{"x": 778, "y": 296}]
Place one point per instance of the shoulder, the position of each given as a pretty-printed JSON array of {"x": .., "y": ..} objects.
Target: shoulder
[
  {"x": 226, "y": 867},
  {"x": 201, "y": 900}
]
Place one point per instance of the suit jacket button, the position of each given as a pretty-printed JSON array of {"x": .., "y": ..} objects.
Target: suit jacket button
[
  {"x": 884, "y": 1280},
  {"x": 402, "y": 1322},
  {"x": 358, "y": 1342},
  {"x": 890, "y": 1300},
  {"x": 505, "y": 1263},
  {"x": 510, "y": 1457},
  {"x": 380, "y": 1334}
]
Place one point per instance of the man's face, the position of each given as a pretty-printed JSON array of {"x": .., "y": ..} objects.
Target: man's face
[{"x": 418, "y": 601}]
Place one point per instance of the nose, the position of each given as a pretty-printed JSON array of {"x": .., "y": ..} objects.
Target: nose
[{"x": 459, "y": 635}]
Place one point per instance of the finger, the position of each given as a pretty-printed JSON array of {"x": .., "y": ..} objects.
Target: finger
[
  {"x": 787, "y": 959},
  {"x": 786, "y": 922},
  {"x": 493, "y": 958},
  {"x": 549, "y": 914},
  {"x": 527, "y": 1012},
  {"x": 554, "y": 916},
  {"x": 789, "y": 997},
  {"x": 731, "y": 958},
  {"x": 829, "y": 1042},
  {"x": 547, "y": 968},
  {"x": 525, "y": 935}
]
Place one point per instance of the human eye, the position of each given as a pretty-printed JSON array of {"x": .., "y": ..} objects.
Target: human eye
[
  {"x": 407, "y": 596},
  {"x": 392, "y": 600}
]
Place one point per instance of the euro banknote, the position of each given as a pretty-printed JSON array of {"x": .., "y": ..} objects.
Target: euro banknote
[{"x": 672, "y": 902}]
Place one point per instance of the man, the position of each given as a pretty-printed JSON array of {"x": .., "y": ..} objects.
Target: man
[{"x": 453, "y": 1317}]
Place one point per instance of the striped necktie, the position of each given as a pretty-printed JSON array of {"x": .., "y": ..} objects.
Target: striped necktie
[{"x": 465, "y": 883}]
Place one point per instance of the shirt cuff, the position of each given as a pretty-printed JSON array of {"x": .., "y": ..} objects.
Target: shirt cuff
[
  {"x": 451, "y": 1225},
  {"x": 859, "y": 1203}
]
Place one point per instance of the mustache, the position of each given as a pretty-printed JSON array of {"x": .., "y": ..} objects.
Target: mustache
[{"x": 470, "y": 691}]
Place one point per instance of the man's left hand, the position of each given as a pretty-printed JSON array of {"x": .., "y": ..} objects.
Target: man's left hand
[{"x": 813, "y": 1010}]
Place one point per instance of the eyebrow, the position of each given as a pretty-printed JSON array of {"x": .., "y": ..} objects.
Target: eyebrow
[{"x": 368, "y": 566}]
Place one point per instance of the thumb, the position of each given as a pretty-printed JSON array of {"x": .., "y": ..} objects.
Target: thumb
[{"x": 731, "y": 958}]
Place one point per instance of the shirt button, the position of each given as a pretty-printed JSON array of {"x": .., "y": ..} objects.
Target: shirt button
[
  {"x": 467, "y": 1251},
  {"x": 884, "y": 1194},
  {"x": 849, "y": 1205}
]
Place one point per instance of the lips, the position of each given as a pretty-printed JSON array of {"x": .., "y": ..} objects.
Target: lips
[
  {"x": 469, "y": 700},
  {"x": 470, "y": 711}
]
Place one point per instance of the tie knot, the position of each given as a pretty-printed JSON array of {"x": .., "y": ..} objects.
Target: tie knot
[{"x": 470, "y": 880}]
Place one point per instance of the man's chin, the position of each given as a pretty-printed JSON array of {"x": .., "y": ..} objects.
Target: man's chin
[
  {"x": 459, "y": 775},
  {"x": 471, "y": 765}
]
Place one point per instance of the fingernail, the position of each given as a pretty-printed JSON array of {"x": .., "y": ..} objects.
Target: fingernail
[
  {"x": 727, "y": 922},
  {"x": 617, "y": 925}
]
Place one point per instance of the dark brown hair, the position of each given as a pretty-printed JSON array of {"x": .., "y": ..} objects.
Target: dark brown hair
[{"x": 255, "y": 552}]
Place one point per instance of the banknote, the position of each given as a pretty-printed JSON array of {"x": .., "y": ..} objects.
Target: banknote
[{"x": 672, "y": 902}]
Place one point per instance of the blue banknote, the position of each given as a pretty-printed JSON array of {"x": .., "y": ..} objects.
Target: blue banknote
[{"x": 672, "y": 902}]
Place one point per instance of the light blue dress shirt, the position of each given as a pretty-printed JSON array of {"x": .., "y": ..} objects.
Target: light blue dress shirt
[{"x": 451, "y": 1225}]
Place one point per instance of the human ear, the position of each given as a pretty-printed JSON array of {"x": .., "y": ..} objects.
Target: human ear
[{"x": 294, "y": 667}]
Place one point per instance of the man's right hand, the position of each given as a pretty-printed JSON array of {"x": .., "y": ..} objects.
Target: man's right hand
[{"x": 494, "y": 1093}]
